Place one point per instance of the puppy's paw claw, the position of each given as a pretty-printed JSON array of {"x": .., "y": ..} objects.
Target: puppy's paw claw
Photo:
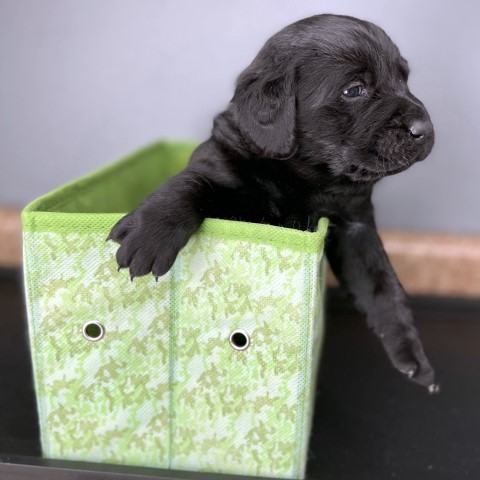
[
  {"x": 434, "y": 389},
  {"x": 410, "y": 372}
]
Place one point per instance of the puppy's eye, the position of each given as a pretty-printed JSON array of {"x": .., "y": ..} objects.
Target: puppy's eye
[{"x": 354, "y": 91}]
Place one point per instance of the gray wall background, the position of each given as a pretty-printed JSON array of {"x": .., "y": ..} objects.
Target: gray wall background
[{"x": 83, "y": 82}]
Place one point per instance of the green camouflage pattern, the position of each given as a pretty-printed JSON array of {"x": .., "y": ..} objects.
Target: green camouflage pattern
[{"x": 164, "y": 387}]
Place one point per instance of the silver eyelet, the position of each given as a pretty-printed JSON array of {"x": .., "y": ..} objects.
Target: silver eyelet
[
  {"x": 93, "y": 331},
  {"x": 239, "y": 339}
]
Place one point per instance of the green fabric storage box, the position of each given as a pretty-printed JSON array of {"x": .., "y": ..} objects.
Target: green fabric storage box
[{"x": 153, "y": 374}]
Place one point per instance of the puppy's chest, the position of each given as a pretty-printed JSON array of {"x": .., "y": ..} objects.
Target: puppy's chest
[
  {"x": 296, "y": 204},
  {"x": 341, "y": 204},
  {"x": 286, "y": 200}
]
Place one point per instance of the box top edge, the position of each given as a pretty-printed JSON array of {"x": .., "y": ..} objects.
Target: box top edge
[
  {"x": 50, "y": 200},
  {"x": 85, "y": 223}
]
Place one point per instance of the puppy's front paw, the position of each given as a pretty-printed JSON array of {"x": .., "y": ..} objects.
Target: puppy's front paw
[
  {"x": 147, "y": 244},
  {"x": 405, "y": 350}
]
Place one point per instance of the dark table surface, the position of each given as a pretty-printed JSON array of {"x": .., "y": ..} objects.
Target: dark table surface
[{"x": 370, "y": 423}]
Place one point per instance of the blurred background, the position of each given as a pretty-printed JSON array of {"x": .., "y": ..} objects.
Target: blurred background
[{"x": 85, "y": 82}]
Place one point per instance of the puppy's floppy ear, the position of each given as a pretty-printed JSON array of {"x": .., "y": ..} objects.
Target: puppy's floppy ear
[{"x": 263, "y": 106}]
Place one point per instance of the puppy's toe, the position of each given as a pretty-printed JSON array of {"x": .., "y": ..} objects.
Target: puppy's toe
[
  {"x": 418, "y": 368},
  {"x": 410, "y": 370},
  {"x": 425, "y": 375},
  {"x": 122, "y": 228},
  {"x": 164, "y": 262},
  {"x": 126, "y": 251},
  {"x": 407, "y": 365},
  {"x": 141, "y": 263}
]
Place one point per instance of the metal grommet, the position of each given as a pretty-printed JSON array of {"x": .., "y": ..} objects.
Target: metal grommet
[
  {"x": 239, "y": 339},
  {"x": 93, "y": 331}
]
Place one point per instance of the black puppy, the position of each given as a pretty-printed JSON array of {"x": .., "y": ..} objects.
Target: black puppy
[{"x": 321, "y": 114}]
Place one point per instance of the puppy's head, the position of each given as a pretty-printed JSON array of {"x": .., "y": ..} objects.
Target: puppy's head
[{"x": 332, "y": 89}]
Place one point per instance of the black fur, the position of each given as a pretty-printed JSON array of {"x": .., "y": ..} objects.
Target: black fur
[{"x": 297, "y": 143}]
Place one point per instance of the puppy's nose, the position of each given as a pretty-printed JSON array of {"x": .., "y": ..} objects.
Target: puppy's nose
[{"x": 419, "y": 130}]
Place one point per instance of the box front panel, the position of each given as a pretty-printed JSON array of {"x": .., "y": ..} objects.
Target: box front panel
[
  {"x": 164, "y": 387},
  {"x": 242, "y": 412},
  {"x": 108, "y": 400}
]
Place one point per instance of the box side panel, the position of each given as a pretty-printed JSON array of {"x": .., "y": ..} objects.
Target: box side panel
[
  {"x": 248, "y": 403},
  {"x": 30, "y": 260},
  {"x": 315, "y": 306},
  {"x": 104, "y": 401}
]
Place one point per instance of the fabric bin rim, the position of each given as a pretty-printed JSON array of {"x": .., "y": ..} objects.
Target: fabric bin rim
[{"x": 40, "y": 215}]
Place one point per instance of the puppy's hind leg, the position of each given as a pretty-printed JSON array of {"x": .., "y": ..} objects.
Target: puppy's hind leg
[{"x": 356, "y": 255}]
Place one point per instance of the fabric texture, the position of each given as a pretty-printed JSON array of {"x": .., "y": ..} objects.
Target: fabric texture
[{"x": 164, "y": 387}]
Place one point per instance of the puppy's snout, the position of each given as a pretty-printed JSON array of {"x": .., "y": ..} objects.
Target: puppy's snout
[{"x": 420, "y": 130}]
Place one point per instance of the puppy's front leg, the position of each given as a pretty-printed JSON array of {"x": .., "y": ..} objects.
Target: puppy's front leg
[
  {"x": 151, "y": 236},
  {"x": 358, "y": 259}
]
